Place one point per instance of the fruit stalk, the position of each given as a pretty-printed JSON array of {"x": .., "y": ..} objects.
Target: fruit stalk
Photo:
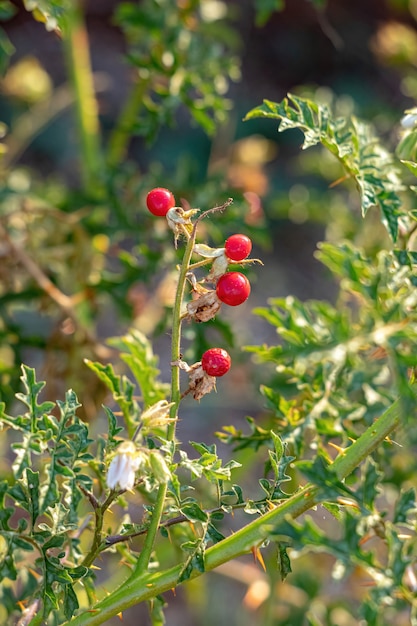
[{"x": 143, "y": 561}]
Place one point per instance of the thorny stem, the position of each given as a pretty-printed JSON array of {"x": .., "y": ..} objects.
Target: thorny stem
[
  {"x": 145, "y": 556},
  {"x": 180, "y": 519},
  {"x": 137, "y": 589}
]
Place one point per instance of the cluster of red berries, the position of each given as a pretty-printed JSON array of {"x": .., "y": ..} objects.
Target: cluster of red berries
[{"x": 232, "y": 288}]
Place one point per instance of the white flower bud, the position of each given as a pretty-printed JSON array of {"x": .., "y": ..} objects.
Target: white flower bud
[
  {"x": 409, "y": 120},
  {"x": 123, "y": 467}
]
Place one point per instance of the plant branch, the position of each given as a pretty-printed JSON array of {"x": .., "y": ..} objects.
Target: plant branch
[
  {"x": 76, "y": 48},
  {"x": 137, "y": 589},
  {"x": 143, "y": 561},
  {"x": 121, "y": 135},
  {"x": 180, "y": 519},
  {"x": 99, "y": 510},
  {"x": 145, "y": 555}
]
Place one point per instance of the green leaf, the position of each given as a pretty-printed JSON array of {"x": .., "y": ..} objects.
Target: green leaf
[
  {"x": 203, "y": 448},
  {"x": 257, "y": 436},
  {"x": 70, "y": 443},
  {"x": 32, "y": 482},
  {"x": 195, "y": 561},
  {"x": 7, "y": 10},
  {"x": 6, "y": 51},
  {"x": 7, "y": 563},
  {"x": 265, "y": 8},
  {"x": 70, "y": 601},
  {"x": 23, "y": 543},
  {"x": 278, "y": 447},
  {"x": 355, "y": 145},
  {"x": 143, "y": 364},
  {"x": 319, "y": 472},
  {"x": 121, "y": 388},
  {"x": 52, "y": 13},
  {"x": 194, "y": 513},
  {"x": 283, "y": 561},
  {"x": 405, "y": 506},
  {"x": 411, "y": 166},
  {"x": 30, "y": 398},
  {"x": 407, "y": 150},
  {"x": 5, "y": 512},
  {"x": 370, "y": 484},
  {"x": 212, "y": 534},
  {"x": 406, "y": 257},
  {"x": 114, "y": 429}
]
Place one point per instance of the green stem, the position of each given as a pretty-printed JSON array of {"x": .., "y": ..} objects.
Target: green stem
[
  {"x": 96, "y": 546},
  {"x": 176, "y": 335},
  {"x": 145, "y": 555},
  {"x": 76, "y": 48},
  {"x": 120, "y": 137},
  {"x": 137, "y": 589}
]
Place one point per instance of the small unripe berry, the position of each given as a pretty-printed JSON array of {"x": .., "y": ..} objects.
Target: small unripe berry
[
  {"x": 237, "y": 247},
  {"x": 159, "y": 201},
  {"x": 216, "y": 362},
  {"x": 233, "y": 288}
]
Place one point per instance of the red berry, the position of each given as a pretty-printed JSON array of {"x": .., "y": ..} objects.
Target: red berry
[
  {"x": 238, "y": 247},
  {"x": 233, "y": 288},
  {"x": 159, "y": 201},
  {"x": 216, "y": 362}
]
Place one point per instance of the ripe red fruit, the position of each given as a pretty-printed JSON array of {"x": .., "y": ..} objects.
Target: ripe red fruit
[
  {"x": 159, "y": 201},
  {"x": 237, "y": 247},
  {"x": 233, "y": 288},
  {"x": 216, "y": 362}
]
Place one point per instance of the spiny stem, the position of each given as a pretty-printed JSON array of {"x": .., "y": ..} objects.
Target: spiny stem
[
  {"x": 180, "y": 519},
  {"x": 137, "y": 589}
]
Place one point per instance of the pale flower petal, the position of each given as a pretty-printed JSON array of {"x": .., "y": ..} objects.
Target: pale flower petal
[
  {"x": 121, "y": 473},
  {"x": 409, "y": 120}
]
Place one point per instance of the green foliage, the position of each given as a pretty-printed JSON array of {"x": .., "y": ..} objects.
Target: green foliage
[
  {"x": 51, "y": 458},
  {"x": 74, "y": 250},
  {"x": 6, "y": 46},
  {"x": 125, "y": 489},
  {"x": 354, "y": 143},
  {"x": 339, "y": 366},
  {"x": 184, "y": 54},
  {"x": 51, "y": 12},
  {"x": 265, "y": 8},
  {"x": 143, "y": 364}
]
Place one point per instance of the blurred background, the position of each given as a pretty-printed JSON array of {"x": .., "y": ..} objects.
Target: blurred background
[{"x": 82, "y": 260}]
